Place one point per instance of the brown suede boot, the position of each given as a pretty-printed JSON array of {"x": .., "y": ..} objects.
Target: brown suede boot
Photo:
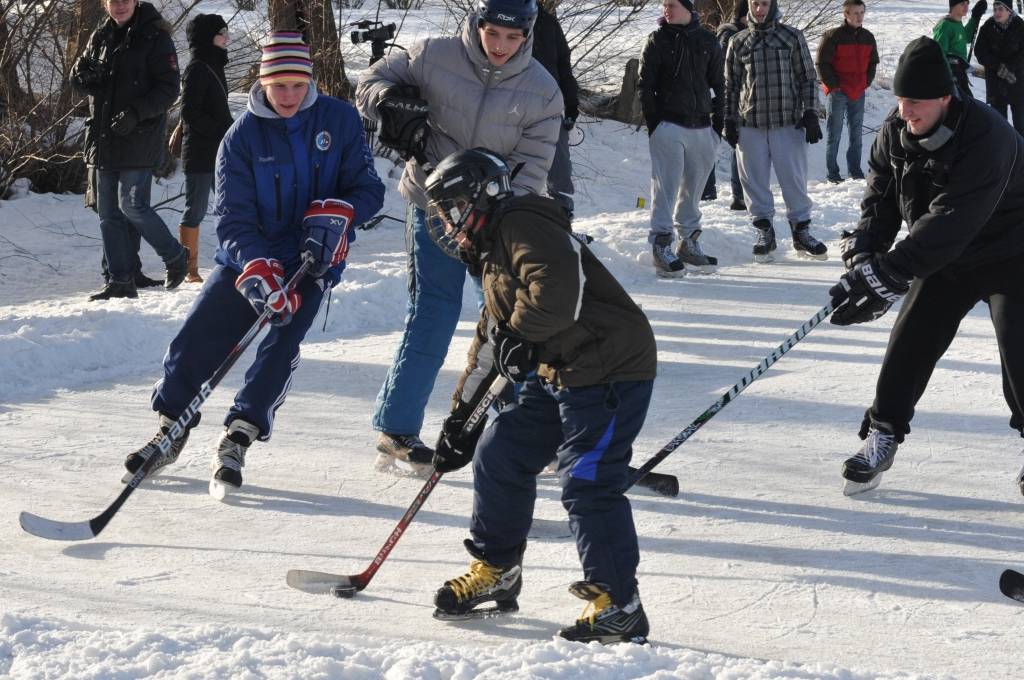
[{"x": 189, "y": 237}]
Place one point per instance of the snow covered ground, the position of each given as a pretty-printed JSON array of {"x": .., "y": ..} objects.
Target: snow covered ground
[{"x": 760, "y": 569}]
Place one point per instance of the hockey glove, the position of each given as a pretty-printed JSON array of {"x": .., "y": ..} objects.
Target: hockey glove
[
  {"x": 325, "y": 228},
  {"x": 731, "y": 133},
  {"x": 811, "y": 127},
  {"x": 855, "y": 247},
  {"x": 454, "y": 447},
  {"x": 515, "y": 357},
  {"x": 123, "y": 123},
  {"x": 403, "y": 120},
  {"x": 568, "y": 123},
  {"x": 87, "y": 74},
  {"x": 866, "y": 292},
  {"x": 979, "y": 9},
  {"x": 262, "y": 284}
]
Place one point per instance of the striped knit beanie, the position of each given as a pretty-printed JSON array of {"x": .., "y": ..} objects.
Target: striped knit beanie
[{"x": 285, "y": 59}]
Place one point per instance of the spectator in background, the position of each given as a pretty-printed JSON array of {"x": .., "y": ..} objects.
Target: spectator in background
[
  {"x": 129, "y": 71},
  {"x": 681, "y": 64},
  {"x": 724, "y": 35},
  {"x": 552, "y": 51},
  {"x": 954, "y": 38},
  {"x": 205, "y": 117},
  {"x": 847, "y": 58},
  {"x": 1000, "y": 49},
  {"x": 771, "y": 116}
]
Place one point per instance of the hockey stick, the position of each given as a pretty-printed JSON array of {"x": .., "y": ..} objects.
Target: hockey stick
[
  {"x": 729, "y": 396},
  {"x": 322, "y": 583},
  {"x": 84, "y": 530}
]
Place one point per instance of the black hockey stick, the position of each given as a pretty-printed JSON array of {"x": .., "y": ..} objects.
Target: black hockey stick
[
  {"x": 1011, "y": 584},
  {"x": 84, "y": 530},
  {"x": 754, "y": 374},
  {"x": 666, "y": 485},
  {"x": 322, "y": 583}
]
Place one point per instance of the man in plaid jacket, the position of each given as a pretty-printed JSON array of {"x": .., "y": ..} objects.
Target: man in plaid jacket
[{"x": 771, "y": 116}]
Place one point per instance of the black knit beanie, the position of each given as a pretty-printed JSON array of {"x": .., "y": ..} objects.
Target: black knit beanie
[
  {"x": 688, "y": 4},
  {"x": 923, "y": 72},
  {"x": 953, "y": 3},
  {"x": 741, "y": 10}
]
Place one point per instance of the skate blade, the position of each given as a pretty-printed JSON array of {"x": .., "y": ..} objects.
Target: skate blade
[
  {"x": 662, "y": 274},
  {"x": 615, "y": 639},
  {"x": 219, "y": 490},
  {"x": 391, "y": 464},
  {"x": 702, "y": 269},
  {"x": 804, "y": 255},
  {"x": 854, "y": 488},
  {"x": 764, "y": 259},
  {"x": 476, "y": 614}
]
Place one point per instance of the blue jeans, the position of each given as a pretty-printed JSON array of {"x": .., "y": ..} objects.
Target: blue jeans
[
  {"x": 197, "y": 197},
  {"x": 590, "y": 431},
  {"x": 840, "y": 107},
  {"x": 432, "y": 313},
  {"x": 122, "y": 202}
]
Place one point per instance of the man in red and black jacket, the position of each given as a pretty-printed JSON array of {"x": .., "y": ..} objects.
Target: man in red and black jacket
[{"x": 847, "y": 57}]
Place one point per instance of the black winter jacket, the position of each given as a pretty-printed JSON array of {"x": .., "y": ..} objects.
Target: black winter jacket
[
  {"x": 204, "y": 108},
  {"x": 997, "y": 46},
  {"x": 679, "y": 65},
  {"x": 140, "y": 73},
  {"x": 552, "y": 51},
  {"x": 964, "y": 202}
]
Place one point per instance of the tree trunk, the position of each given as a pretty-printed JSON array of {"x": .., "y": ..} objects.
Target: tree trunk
[
  {"x": 315, "y": 19},
  {"x": 88, "y": 14},
  {"x": 12, "y": 97}
]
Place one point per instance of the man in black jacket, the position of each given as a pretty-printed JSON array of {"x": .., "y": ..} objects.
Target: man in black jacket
[
  {"x": 953, "y": 170},
  {"x": 680, "y": 65},
  {"x": 723, "y": 35},
  {"x": 1000, "y": 49},
  {"x": 130, "y": 73},
  {"x": 552, "y": 51}
]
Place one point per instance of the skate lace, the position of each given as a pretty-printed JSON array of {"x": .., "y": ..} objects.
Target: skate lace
[
  {"x": 231, "y": 455},
  {"x": 594, "y": 608},
  {"x": 877, "y": 447},
  {"x": 664, "y": 254},
  {"x": 481, "y": 576}
]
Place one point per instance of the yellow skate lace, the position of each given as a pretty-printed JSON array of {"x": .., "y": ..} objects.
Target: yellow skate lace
[
  {"x": 481, "y": 576},
  {"x": 593, "y": 608}
]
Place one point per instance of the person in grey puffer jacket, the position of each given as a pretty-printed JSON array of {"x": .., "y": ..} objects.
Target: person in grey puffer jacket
[
  {"x": 483, "y": 88},
  {"x": 771, "y": 114}
]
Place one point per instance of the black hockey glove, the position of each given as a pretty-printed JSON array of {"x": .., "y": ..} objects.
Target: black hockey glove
[
  {"x": 855, "y": 247},
  {"x": 454, "y": 447},
  {"x": 731, "y": 133},
  {"x": 811, "y": 127},
  {"x": 123, "y": 123},
  {"x": 568, "y": 123},
  {"x": 403, "y": 120},
  {"x": 515, "y": 357},
  {"x": 979, "y": 9},
  {"x": 866, "y": 292},
  {"x": 87, "y": 74}
]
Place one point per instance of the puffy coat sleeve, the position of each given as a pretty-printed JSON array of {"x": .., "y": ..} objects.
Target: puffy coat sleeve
[
  {"x": 873, "y": 59},
  {"x": 826, "y": 53},
  {"x": 549, "y": 264},
  {"x": 199, "y": 86},
  {"x": 983, "y": 50},
  {"x": 162, "y": 67},
  {"x": 647, "y": 83},
  {"x": 401, "y": 67},
  {"x": 238, "y": 223},
  {"x": 879, "y": 211}
]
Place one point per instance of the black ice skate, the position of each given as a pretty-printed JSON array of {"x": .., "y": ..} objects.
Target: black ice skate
[
  {"x": 605, "y": 622},
  {"x": 407, "y": 448},
  {"x": 135, "y": 459},
  {"x": 666, "y": 264},
  {"x": 228, "y": 461},
  {"x": 765, "y": 243},
  {"x": 459, "y": 598},
  {"x": 863, "y": 471},
  {"x": 694, "y": 257},
  {"x": 805, "y": 245}
]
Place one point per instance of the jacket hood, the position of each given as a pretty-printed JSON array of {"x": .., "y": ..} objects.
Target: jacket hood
[
  {"x": 201, "y": 30},
  {"x": 145, "y": 13},
  {"x": 258, "y": 106},
  {"x": 475, "y": 49}
]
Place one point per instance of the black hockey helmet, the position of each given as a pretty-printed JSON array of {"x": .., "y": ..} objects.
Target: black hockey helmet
[
  {"x": 508, "y": 13},
  {"x": 461, "y": 191}
]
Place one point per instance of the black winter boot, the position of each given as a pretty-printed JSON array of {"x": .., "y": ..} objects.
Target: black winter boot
[
  {"x": 115, "y": 289},
  {"x": 176, "y": 270}
]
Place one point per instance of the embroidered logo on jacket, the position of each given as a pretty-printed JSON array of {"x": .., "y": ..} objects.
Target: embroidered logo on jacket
[{"x": 323, "y": 140}]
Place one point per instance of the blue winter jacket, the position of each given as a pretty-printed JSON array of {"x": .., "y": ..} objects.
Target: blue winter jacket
[{"x": 270, "y": 168}]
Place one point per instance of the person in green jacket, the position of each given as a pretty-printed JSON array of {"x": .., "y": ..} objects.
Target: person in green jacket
[{"x": 954, "y": 37}]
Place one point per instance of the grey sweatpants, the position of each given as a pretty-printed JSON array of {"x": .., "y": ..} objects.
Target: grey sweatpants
[
  {"x": 785, "y": 150},
  {"x": 681, "y": 160}
]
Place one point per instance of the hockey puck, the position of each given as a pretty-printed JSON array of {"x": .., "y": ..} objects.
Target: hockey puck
[{"x": 344, "y": 591}]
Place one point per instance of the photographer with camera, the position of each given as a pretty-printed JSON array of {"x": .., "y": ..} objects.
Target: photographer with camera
[
  {"x": 481, "y": 88},
  {"x": 130, "y": 73}
]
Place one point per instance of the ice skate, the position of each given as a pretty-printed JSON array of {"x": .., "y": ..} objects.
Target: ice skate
[
  {"x": 136, "y": 459},
  {"x": 805, "y": 245},
  {"x": 416, "y": 456},
  {"x": 603, "y": 621},
  {"x": 765, "y": 243},
  {"x": 229, "y": 459},
  {"x": 459, "y": 598},
  {"x": 694, "y": 257},
  {"x": 666, "y": 264},
  {"x": 863, "y": 471}
]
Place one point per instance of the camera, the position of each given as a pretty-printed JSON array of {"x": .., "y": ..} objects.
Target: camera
[{"x": 372, "y": 32}]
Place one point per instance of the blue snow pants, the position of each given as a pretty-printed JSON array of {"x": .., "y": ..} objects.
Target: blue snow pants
[
  {"x": 217, "y": 321},
  {"x": 591, "y": 431},
  {"x": 432, "y": 313}
]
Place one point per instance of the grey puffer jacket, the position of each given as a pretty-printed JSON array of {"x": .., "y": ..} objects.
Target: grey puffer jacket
[{"x": 515, "y": 109}]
